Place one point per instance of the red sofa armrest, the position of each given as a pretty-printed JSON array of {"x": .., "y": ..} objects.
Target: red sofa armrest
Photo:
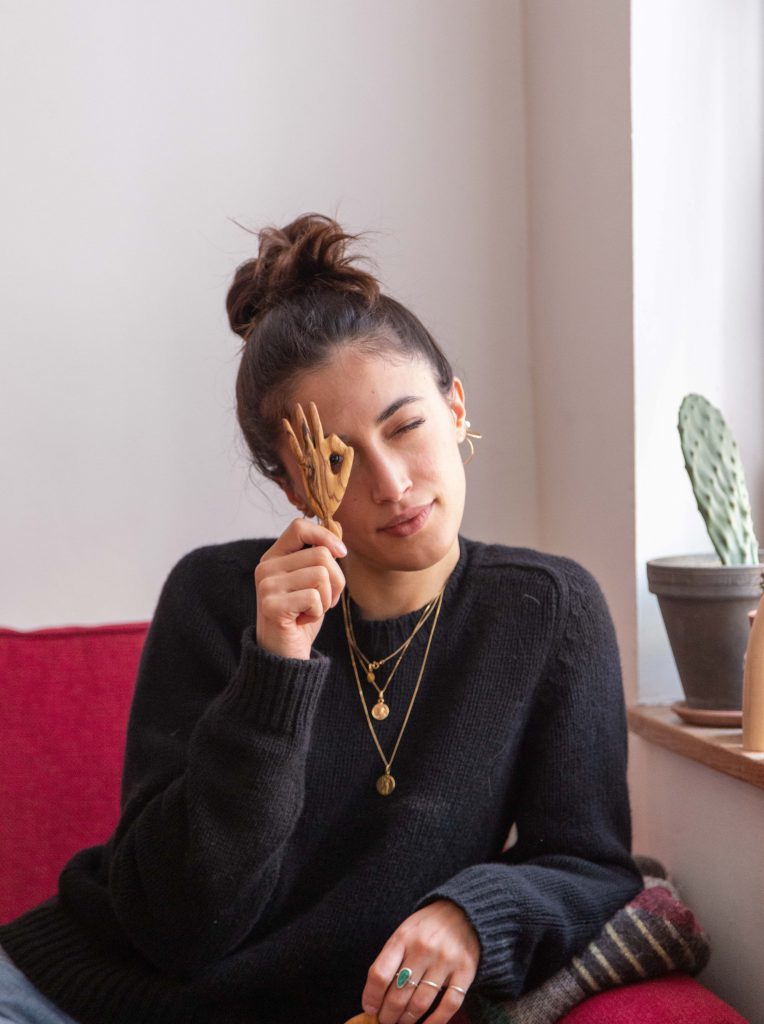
[
  {"x": 66, "y": 696},
  {"x": 672, "y": 999}
]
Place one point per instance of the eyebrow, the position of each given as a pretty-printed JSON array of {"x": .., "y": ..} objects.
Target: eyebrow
[{"x": 391, "y": 410}]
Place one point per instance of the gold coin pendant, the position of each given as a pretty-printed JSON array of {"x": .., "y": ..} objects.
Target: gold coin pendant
[
  {"x": 380, "y": 710},
  {"x": 385, "y": 784}
]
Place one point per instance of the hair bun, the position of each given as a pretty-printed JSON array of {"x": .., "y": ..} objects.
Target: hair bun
[{"x": 310, "y": 252}]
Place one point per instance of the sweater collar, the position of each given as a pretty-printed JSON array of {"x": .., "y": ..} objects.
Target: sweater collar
[{"x": 377, "y": 637}]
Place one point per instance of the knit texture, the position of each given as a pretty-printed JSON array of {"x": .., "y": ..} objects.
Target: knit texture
[
  {"x": 655, "y": 934},
  {"x": 256, "y": 873}
]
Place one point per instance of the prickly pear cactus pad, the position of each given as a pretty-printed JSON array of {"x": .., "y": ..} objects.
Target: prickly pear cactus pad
[{"x": 712, "y": 460}]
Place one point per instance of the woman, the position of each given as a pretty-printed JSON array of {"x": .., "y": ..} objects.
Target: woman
[{"x": 331, "y": 740}]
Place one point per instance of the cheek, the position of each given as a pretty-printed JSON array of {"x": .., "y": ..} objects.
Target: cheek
[
  {"x": 452, "y": 474},
  {"x": 448, "y": 460},
  {"x": 351, "y": 507},
  {"x": 424, "y": 466}
]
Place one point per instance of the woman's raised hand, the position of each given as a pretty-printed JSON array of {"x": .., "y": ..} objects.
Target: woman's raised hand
[{"x": 296, "y": 586}]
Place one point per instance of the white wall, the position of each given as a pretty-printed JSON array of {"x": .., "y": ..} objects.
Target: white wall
[
  {"x": 132, "y": 133},
  {"x": 579, "y": 242},
  {"x": 697, "y": 92}
]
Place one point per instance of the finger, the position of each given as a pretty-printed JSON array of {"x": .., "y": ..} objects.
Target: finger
[
  {"x": 270, "y": 575},
  {"x": 452, "y": 998},
  {"x": 313, "y": 567},
  {"x": 301, "y": 607},
  {"x": 401, "y": 989},
  {"x": 299, "y": 456},
  {"x": 315, "y": 426},
  {"x": 398, "y": 998},
  {"x": 301, "y": 532},
  {"x": 294, "y": 444},
  {"x": 312, "y": 577},
  {"x": 305, "y": 466},
  {"x": 424, "y": 995},
  {"x": 305, "y": 433},
  {"x": 381, "y": 974}
]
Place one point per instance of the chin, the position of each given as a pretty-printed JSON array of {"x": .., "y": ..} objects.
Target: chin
[{"x": 420, "y": 551}]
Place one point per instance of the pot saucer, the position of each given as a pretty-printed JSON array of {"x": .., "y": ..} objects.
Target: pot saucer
[{"x": 721, "y": 718}]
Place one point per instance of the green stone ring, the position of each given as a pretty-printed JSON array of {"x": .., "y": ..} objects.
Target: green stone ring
[{"x": 403, "y": 976}]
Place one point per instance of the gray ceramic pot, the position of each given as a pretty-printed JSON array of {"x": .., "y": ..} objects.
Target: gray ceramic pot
[{"x": 705, "y": 609}]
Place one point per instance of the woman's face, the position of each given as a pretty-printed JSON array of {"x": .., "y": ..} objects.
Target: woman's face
[{"x": 406, "y": 466}]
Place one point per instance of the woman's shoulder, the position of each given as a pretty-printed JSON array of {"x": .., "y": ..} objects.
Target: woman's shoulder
[
  {"x": 522, "y": 564},
  {"x": 524, "y": 583},
  {"x": 214, "y": 574},
  {"x": 233, "y": 554}
]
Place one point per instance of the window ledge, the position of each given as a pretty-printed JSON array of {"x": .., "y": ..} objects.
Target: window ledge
[{"x": 720, "y": 749}]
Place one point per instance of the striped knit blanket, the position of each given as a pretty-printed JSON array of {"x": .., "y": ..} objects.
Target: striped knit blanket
[{"x": 653, "y": 934}]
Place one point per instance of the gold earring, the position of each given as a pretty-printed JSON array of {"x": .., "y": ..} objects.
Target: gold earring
[{"x": 469, "y": 434}]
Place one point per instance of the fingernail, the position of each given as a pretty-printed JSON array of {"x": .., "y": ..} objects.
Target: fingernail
[{"x": 341, "y": 548}]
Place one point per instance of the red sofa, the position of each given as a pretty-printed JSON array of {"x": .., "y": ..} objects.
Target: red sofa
[{"x": 65, "y": 697}]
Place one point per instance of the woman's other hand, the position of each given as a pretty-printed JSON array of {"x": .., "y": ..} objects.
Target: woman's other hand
[
  {"x": 296, "y": 586},
  {"x": 441, "y": 949}
]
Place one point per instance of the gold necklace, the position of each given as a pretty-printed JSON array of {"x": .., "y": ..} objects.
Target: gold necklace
[
  {"x": 381, "y": 709},
  {"x": 385, "y": 784}
]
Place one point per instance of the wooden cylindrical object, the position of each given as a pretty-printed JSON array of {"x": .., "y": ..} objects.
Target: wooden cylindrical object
[{"x": 753, "y": 684}]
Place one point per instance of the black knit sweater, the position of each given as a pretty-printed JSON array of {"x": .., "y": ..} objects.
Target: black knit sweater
[{"x": 256, "y": 873}]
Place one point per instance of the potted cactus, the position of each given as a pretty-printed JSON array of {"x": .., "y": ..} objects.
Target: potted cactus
[{"x": 705, "y": 599}]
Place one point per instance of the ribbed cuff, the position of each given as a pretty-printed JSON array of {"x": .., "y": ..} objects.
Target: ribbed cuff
[
  {"x": 274, "y": 693},
  {"x": 483, "y": 893}
]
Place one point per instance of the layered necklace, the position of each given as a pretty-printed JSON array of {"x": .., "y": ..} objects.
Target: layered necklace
[
  {"x": 381, "y": 709},
  {"x": 386, "y": 782}
]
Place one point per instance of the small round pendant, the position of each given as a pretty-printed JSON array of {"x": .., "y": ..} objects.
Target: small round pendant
[
  {"x": 385, "y": 784},
  {"x": 380, "y": 710},
  {"x": 370, "y": 677}
]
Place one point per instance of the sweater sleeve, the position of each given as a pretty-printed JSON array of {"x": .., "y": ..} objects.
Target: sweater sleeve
[
  {"x": 213, "y": 781},
  {"x": 543, "y": 899}
]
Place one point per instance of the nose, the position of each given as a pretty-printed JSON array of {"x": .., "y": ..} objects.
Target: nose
[{"x": 389, "y": 477}]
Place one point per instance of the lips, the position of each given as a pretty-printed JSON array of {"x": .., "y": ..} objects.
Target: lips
[
  {"x": 410, "y": 513},
  {"x": 405, "y": 517}
]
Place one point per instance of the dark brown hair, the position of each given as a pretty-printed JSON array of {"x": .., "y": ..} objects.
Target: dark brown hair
[{"x": 294, "y": 305}]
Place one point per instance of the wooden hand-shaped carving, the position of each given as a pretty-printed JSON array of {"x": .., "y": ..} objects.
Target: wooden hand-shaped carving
[{"x": 325, "y": 464}]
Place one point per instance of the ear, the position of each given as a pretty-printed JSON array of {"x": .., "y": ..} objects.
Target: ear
[{"x": 457, "y": 406}]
